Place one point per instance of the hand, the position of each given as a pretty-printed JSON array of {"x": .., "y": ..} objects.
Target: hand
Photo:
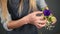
[{"x": 37, "y": 20}]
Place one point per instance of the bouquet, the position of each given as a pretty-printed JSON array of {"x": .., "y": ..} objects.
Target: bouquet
[{"x": 50, "y": 18}]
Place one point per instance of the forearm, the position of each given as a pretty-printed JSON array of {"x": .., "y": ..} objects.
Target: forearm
[{"x": 17, "y": 23}]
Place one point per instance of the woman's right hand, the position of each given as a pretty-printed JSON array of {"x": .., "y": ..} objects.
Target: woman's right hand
[{"x": 37, "y": 20}]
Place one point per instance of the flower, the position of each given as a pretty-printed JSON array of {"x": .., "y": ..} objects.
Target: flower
[
  {"x": 53, "y": 19},
  {"x": 46, "y": 12}
]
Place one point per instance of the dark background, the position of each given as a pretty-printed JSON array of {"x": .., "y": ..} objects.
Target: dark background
[{"x": 54, "y": 5}]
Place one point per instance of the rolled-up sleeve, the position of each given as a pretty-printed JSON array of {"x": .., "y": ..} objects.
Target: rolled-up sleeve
[
  {"x": 5, "y": 21},
  {"x": 41, "y": 3}
]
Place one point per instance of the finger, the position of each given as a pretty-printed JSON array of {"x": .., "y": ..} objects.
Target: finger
[
  {"x": 40, "y": 17},
  {"x": 40, "y": 26},
  {"x": 37, "y": 25},
  {"x": 38, "y": 12},
  {"x": 43, "y": 21}
]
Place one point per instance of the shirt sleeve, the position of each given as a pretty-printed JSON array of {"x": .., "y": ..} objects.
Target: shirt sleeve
[
  {"x": 5, "y": 21},
  {"x": 41, "y": 3}
]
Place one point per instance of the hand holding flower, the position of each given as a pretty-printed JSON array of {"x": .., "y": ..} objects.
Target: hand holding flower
[{"x": 50, "y": 18}]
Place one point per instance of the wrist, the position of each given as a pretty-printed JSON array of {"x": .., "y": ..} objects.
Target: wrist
[{"x": 26, "y": 20}]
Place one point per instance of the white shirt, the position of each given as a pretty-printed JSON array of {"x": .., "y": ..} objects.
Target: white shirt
[
  {"x": 4, "y": 21},
  {"x": 41, "y": 3}
]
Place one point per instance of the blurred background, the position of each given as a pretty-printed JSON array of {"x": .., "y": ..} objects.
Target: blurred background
[{"x": 53, "y": 5}]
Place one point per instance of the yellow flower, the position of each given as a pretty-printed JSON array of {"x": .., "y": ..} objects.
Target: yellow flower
[{"x": 53, "y": 19}]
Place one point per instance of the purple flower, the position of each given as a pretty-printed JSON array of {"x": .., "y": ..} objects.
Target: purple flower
[{"x": 46, "y": 12}]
